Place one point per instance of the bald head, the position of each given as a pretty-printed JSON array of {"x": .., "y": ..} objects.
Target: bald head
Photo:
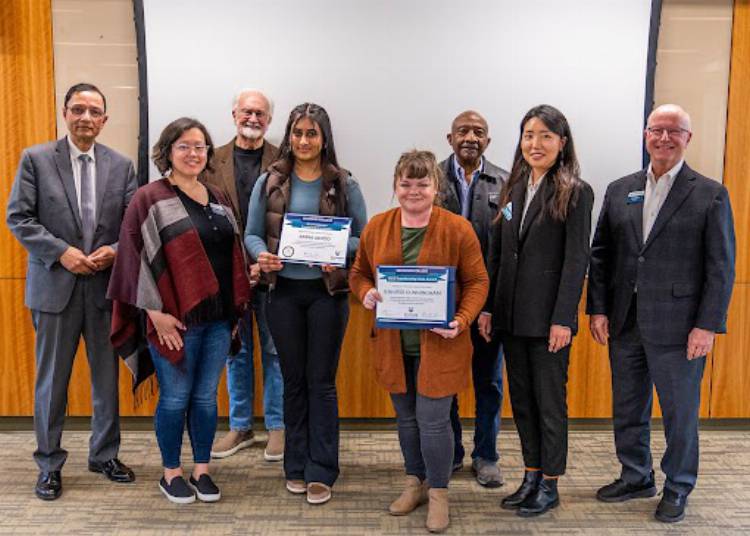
[
  {"x": 469, "y": 137},
  {"x": 667, "y": 136},
  {"x": 674, "y": 111}
]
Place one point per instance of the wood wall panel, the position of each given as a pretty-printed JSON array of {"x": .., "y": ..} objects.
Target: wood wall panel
[
  {"x": 27, "y": 102},
  {"x": 16, "y": 351}
]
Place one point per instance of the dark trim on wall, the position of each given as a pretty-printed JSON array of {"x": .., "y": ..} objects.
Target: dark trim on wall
[
  {"x": 653, "y": 43},
  {"x": 140, "y": 41}
]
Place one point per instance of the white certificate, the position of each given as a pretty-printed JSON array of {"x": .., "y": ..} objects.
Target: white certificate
[
  {"x": 314, "y": 239},
  {"x": 415, "y": 297}
]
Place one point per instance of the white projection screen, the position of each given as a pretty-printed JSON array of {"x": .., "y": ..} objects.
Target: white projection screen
[{"x": 394, "y": 73}]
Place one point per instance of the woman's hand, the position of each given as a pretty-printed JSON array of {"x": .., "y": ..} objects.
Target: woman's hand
[
  {"x": 448, "y": 333},
  {"x": 167, "y": 328},
  {"x": 328, "y": 268},
  {"x": 254, "y": 274},
  {"x": 269, "y": 262},
  {"x": 559, "y": 337},
  {"x": 484, "y": 325},
  {"x": 372, "y": 298}
]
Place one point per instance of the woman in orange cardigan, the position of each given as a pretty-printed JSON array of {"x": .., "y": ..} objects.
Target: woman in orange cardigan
[{"x": 422, "y": 369}]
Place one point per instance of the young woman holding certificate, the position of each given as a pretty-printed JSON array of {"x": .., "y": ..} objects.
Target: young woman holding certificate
[
  {"x": 307, "y": 304},
  {"x": 422, "y": 369},
  {"x": 537, "y": 263}
]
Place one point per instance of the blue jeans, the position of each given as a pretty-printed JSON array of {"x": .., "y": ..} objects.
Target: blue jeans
[
  {"x": 188, "y": 390},
  {"x": 487, "y": 375},
  {"x": 241, "y": 374}
]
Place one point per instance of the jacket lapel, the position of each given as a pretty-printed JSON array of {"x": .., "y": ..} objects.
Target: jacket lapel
[
  {"x": 517, "y": 197},
  {"x": 635, "y": 210},
  {"x": 544, "y": 192},
  {"x": 65, "y": 171},
  {"x": 683, "y": 185},
  {"x": 102, "y": 177}
]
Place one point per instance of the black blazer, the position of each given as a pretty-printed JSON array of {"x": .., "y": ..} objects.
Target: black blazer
[
  {"x": 684, "y": 272},
  {"x": 536, "y": 273}
]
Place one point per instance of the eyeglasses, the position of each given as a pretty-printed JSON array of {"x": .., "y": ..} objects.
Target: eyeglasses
[
  {"x": 185, "y": 148},
  {"x": 245, "y": 113},
  {"x": 78, "y": 111},
  {"x": 657, "y": 132}
]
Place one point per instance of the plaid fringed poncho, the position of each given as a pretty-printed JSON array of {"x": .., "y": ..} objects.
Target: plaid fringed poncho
[{"x": 161, "y": 264}]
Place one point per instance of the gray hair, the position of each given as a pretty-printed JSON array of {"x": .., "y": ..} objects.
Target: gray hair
[{"x": 255, "y": 91}]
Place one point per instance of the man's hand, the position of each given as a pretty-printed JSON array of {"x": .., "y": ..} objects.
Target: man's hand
[
  {"x": 448, "y": 333},
  {"x": 559, "y": 337},
  {"x": 269, "y": 262},
  {"x": 103, "y": 257},
  {"x": 599, "y": 325},
  {"x": 484, "y": 325},
  {"x": 700, "y": 342},
  {"x": 75, "y": 261}
]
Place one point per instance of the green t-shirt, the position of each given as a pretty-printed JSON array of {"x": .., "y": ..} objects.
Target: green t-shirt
[{"x": 411, "y": 244}]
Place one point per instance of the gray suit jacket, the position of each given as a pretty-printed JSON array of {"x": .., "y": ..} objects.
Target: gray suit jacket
[
  {"x": 43, "y": 215},
  {"x": 684, "y": 271}
]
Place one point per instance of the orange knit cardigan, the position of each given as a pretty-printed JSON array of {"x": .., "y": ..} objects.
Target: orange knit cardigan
[{"x": 450, "y": 240}]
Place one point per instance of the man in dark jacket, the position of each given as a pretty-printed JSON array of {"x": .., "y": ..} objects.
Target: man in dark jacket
[
  {"x": 471, "y": 187},
  {"x": 660, "y": 279}
]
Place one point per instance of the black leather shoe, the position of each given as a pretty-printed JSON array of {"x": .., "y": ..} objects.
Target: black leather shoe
[
  {"x": 113, "y": 469},
  {"x": 49, "y": 485},
  {"x": 671, "y": 508},
  {"x": 530, "y": 482},
  {"x": 619, "y": 490},
  {"x": 545, "y": 498}
]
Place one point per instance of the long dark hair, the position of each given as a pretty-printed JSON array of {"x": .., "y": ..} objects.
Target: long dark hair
[
  {"x": 564, "y": 173},
  {"x": 333, "y": 185}
]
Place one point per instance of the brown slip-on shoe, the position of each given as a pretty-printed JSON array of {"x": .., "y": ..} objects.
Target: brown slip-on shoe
[
  {"x": 318, "y": 493},
  {"x": 438, "y": 517},
  {"x": 275, "y": 446},
  {"x": 298, "y": 487},
  {"x": 414, "y": 495},
  {"x": 232, "y": 442}
]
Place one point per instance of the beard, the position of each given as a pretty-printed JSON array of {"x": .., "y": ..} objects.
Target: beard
[{"x": 250, "y": 133}]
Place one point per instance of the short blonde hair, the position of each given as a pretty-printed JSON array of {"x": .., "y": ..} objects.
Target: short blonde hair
[{"x": 417, "y": 164}]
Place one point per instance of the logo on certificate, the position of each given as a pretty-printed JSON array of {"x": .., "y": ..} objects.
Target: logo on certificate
[{"x": 288, "y": 251}]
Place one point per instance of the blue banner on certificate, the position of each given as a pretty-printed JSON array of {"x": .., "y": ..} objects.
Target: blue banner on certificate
[
  {"x": 314, "y": 239},
  {"x": 416, "y": 297}
]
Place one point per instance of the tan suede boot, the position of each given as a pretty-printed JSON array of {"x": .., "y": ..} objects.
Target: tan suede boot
[
  {"x": 437, "y": 510},
  {"x": 414, "y": 494}
]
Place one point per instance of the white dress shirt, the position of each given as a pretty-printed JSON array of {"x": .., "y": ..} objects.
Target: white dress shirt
[
  {"x": 531, "y": 190},
  {"x": 657, "y": 190},
  {"x": 75, "y": 152}
]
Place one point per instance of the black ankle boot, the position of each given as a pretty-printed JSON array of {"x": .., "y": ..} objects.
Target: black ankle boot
[
  {"x": 530, "y": 482},
  {"x": 545, "y": 498}
]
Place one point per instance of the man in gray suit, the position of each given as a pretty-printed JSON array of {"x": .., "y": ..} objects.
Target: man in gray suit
[
  {"x": 660, "y": 280},
  {"x": 65, "y": 207}
]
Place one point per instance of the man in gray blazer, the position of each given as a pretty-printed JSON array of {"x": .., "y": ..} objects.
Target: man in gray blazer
[
  {"x": 660, "y": 280},
  {"x": 65, "y": 207}
]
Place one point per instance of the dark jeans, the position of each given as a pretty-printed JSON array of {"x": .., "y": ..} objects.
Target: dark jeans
[
  {"x": 188, "y": 390},
  {"x": 537, "y": 380},
  {"x": 308, "y": 324},
  {"x": 487, "y": 375},
  {"x": 636, "y": 367},
  {"x": 424, "y": 430}
]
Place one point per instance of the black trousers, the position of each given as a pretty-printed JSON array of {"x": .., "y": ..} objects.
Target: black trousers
[
  {"x": 638, "y": 366},
  {"x": 308, "y": 324},
  {"x": 537, "y": 380}
]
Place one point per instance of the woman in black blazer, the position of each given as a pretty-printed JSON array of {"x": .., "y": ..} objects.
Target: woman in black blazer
[{"x": 538, "y": 260}]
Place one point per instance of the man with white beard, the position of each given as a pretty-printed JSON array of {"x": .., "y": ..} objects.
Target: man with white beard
[{"x": 236, "y": 167}]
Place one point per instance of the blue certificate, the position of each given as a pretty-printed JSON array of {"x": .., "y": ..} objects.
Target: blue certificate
[
  {"x": 416, "y": 297},
  {"x": 314, "y": 239}
]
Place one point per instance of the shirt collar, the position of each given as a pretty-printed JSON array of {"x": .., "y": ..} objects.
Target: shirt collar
[
  {"x": 671, "y": 174},
  {"x": 75, "y": 152},
  {"x": 458, "y": 171},
  {"x": 530, "y": 184}
]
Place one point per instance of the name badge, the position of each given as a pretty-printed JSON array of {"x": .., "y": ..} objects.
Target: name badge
[
  {"x": 508, "y": 211},
  {"x": 217, "y": 209},
  {"x": 636, "y": 197}
]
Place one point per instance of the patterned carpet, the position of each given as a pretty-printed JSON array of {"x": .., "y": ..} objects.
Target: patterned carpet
[{"x": 255, "y": 501}]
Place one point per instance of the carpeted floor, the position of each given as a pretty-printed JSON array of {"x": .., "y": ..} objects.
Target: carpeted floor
[{"x": 255, "y": 502}]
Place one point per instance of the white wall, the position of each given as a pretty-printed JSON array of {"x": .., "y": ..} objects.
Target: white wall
[{"x": 393, "y": 74}]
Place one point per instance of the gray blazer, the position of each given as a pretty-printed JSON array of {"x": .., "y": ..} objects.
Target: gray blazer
[
  {"x": 43, "y": 215},
  {"x": 684, "y": 271}
]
